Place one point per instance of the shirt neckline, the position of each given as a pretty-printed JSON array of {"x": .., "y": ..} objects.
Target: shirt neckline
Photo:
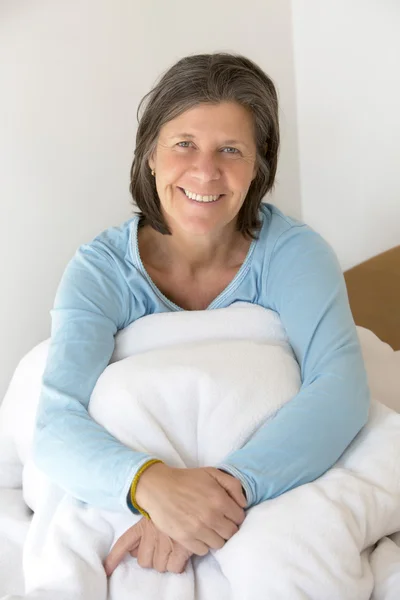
[{"x": 240, "y": 275}]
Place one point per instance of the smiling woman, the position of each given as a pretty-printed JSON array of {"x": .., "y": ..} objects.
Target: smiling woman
[
  {"x": 202, "y": 240},
  {"x": 209, "y": 126}
]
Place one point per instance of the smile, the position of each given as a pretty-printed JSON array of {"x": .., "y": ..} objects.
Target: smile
[{"x": 210, "y": 199}]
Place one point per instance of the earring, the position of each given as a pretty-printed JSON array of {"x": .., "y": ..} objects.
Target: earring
[{"x": 153, "y": 172}]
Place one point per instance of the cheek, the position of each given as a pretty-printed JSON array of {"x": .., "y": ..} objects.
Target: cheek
[
  {"x": 241, "y": 176},
  {"x": 172, "y": 164}
]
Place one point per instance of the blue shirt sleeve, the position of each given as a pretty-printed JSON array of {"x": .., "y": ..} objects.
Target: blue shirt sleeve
[
  {"x": 305, "y": 286},
  {"x": 92, "y": 303}
]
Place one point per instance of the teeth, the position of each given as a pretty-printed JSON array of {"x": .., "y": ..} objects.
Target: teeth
[{"x": 199, "y": 198}]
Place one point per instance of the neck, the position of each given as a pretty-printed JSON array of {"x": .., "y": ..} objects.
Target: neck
[
  {"x": 194, "y": 254},
  {"x": 199, "y": 253}
]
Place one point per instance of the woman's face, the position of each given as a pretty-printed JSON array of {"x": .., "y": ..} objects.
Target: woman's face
[{"x": 208, "y": 150}]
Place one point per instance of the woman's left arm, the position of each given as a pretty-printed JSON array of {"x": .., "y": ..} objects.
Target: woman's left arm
[{"x": 306, "y": 287}]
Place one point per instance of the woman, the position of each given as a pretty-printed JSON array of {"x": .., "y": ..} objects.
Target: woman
[{"x": 206, "y": 154}]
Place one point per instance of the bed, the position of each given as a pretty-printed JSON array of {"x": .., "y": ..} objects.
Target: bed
[
  {"x": 372, "y": 285},
  {"x": 374, "y": 295}
]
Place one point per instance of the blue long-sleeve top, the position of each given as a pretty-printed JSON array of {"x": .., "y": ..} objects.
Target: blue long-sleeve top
[{"x": 289, "y": 269}]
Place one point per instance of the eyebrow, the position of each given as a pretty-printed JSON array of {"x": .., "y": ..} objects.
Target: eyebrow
[{"x": 193, "y": 137}]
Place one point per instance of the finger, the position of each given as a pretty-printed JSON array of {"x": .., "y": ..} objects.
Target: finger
[
  {"x": 210, "y": 538},
  {"x": 147, "y": 546},
  {"x": 233, "y": 512},
  {"x": 126, "y": 542},
  {"x": 134, "y": 552},
  {"x": 178, "y": 559},
  {"x": 222, "y": 506},
  {"x": 226, "y": 528},
  {"x": 229, "y": 507},
  {"x": 232, "y": 486},
  {"x": 194, "y": 546},
  {"x": 162, "y": 551}
]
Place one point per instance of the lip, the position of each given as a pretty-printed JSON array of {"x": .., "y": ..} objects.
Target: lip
[{"x": 201, "y": 203}]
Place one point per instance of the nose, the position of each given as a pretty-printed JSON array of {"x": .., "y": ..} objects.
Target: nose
[{"x": 206, "y": 167}]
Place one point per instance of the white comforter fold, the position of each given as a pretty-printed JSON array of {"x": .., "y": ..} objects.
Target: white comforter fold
[{"x": 190, "y": 388}]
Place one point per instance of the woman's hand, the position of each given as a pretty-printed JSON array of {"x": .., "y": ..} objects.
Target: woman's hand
[
  {"x": 153, "y": 549},
  {"x": 199, "y": 508}
]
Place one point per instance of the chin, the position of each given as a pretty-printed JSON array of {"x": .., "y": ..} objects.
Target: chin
[{"x": 198, "y": 224}]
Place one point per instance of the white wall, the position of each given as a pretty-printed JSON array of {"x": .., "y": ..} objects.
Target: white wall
[
  {"x": 348, "y": 106},
  {"x": 71, "y": 77}
]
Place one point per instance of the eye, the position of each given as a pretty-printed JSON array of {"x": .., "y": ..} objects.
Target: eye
[{"x": 236, "y": 151}]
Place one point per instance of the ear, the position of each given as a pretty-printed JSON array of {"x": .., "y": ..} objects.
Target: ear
[{"x": 152, "y": 161}]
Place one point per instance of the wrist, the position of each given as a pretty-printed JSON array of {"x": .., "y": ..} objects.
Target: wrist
[
  {"x": 137, "y": 503},
  {"x": 146, "y": 484}
]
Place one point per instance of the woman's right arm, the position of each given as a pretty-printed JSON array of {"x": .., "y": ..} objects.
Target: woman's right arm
[{"x": 91, "y": 304}]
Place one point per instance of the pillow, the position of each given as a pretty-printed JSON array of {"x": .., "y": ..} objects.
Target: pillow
[
  {"x": 18, "y": 411},
  {"x": 383, "y": 368},
  {"x": 242, "y": 321}
]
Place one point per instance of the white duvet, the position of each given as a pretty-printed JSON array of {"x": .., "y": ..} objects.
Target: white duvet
[{"x": 191, "y": 387}]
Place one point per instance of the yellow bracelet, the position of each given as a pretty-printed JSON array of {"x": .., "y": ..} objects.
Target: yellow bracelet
[{"x": 136, "y": 481}]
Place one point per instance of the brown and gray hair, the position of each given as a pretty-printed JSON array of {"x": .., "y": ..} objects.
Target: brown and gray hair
[{"x": 208, "y": 78}]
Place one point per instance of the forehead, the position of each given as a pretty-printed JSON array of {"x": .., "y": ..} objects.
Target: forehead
[{"x": 227, "y": 120}]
